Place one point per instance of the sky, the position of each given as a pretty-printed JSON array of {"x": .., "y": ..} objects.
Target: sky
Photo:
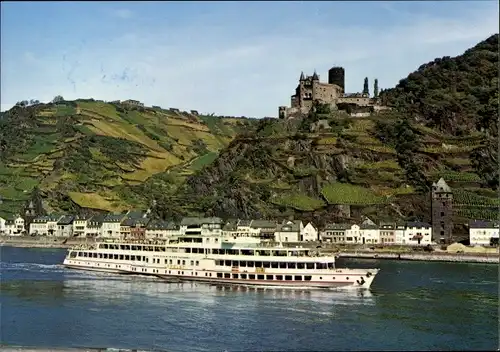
[{"x": 227, "y": 58}]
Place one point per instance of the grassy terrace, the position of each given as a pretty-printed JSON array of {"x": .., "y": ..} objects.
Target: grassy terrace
[
  {"x": 343, "y": 193},
  {"x": 455, "y": 176},
  {"x": 298, "y": 201}
]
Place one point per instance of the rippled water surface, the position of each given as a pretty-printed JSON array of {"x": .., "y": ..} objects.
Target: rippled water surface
[{"x": 411, "y": 306}]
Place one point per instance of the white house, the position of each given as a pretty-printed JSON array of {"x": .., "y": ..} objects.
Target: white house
[
  {"x": 65, "y": 226},
  {"x": 52, "y": 226},
  {"x": 110, "y": 227},
  {"x": 353, "y": 234},
  {"x": 201, "y": 226},
  {"x": 80, "y": 225},
  {"x": 161, "y": 229},
  {"x": 399, "y": 233},
  {"x": 309, "y": 233},
  {"x": 15, "y": 226},
  {"x": 240, "y": 228},
  {"x": 289, "y": 231},
  {"x": 38, "y": 226},
  {"x": 370, "y": 232},
  {"x": 2, "y": 226},
  {"x": 483, "y": 233},
  {"x": 418, "y": 233}
]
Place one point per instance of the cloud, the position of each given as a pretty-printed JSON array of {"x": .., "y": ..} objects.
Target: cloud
[
  {"x": 122, "y": 13},
  {"x": 242, "y": 69}
]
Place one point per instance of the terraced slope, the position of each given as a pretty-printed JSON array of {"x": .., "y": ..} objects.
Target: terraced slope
[
  {"x": 93, "y": 154},
  {"x": 381, "y": 166}
]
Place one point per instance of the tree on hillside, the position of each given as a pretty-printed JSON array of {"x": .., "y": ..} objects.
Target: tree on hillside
[
  {"x": 366, "y": 90},
  {"x": 375, "y": 88},
  {"x": 58, "y": 99}
]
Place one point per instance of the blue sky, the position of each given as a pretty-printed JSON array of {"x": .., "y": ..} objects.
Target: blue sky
[{"x": 230, "y": 58}]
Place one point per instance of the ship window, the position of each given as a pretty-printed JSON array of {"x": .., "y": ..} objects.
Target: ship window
[
  {"x": 121, "y": 256},
  {"x": 251, "y": 276},
  {"x": 260, "y": 277},
  {"x": 197, "y": 263},
  {"x": 283, "y": 265},
  {"x": 320, "y": 265},
  {"x": 258, "y": 264},
  {"x": 235, "y": 276},
  {"x": 85, "y": 254},
  {"x": 227, "y": 263},
  {"x": 307, "y": 278},
  {"x": 267, "y": 265},
  {"x": 95, "y": 255},
  {"x": 279, "y": 277},
  {"x": 227, "y": 276},
  {"x": 250, "y": 264},
  {"x": 115, "y": 256},
  {"x": 331, "y": 265},
  {"x": 243, "y": 263},
  {"x": 298, "y": 277},
  {"x": 218, "y": 262},
  {"x": 288, "y": 277},
  {"x": 219, "y": 274},
  {"x": 188, "y": 250},
  {"x": 243, "y": 276},
  {"x": 127, "y": 257},
  {"x": 269, "y": 277},
  {"x": 274, "y": 265},
  {"x": 192, "y": 262},
  {"x": 347, "y": 278},
  {"x": 235, "y": 263},
  {"x": 310, "y": 265},
  {"x": 291, "y": 265},
  {"x": 178, "y": 262},
  {"x": 183, "y": 262},
  {"x": 72, "y": 255},
  {"x": 300, "y": 265},
  {"x": 105, "y": 246}
]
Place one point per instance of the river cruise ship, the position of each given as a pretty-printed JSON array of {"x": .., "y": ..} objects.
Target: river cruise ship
[{"x": 221, "y": 260}]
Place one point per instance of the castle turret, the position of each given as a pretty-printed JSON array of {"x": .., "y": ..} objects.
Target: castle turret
[
  {"x": 302, "y": 77},
  {"x": 336, "y": 75},
  {"x": 315, "y": 76}
]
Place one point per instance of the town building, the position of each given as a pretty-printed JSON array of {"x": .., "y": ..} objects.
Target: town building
[
  {"x": 80, "y": 225},
  {"x": 289, "y": 231},
  {"x": 399, "y": 233},
  {"x": 387, "y": 233},
  {"x": 483, "y": 233},
  {"x": 309, "y": 233},
  {"x": 15, "y": 226},
  {"x": 370, "y": 232},
  {"x": 94, "y": 226},
  {"x": 110, "y": 227},
  {"x": 418, "y": 233},
  {"x": 353, "y": 234},
  {"x": 201, "y": 226},
  {"x": 159, "y": 229},
  {"x": 334, "y": 233},
  {"x": 38, "y": 226},
  {"x": 2, "y": 226},
  {"x": 65, "y": 226}
]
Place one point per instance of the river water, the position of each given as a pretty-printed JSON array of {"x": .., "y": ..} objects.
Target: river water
[{"x": 411, "y": 306}]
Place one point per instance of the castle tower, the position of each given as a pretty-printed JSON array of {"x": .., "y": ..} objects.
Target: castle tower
[
  {"x": 442, "y": 212},
  {"x": 336, "y": 75}
]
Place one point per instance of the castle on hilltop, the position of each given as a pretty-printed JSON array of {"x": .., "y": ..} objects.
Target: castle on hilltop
[{"x": 310, "y": 90}]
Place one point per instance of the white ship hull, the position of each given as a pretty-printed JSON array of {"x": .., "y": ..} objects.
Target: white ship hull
[{"x": 357, "y": 278}]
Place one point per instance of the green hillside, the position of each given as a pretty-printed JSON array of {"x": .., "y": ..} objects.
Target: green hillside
[
  {"x": 103, "y": 156},
  {"x": 443, "y": 121}
]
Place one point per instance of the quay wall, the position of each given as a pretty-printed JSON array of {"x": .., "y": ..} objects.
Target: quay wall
[{"x": 430, "y": 257}]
